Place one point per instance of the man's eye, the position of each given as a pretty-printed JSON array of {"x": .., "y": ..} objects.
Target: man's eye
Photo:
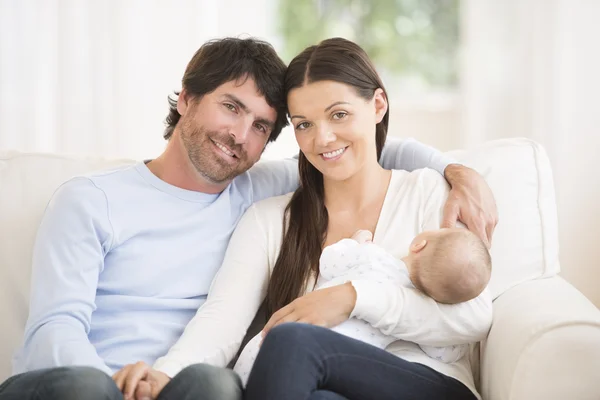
[
  {"x": 231, "y": 107},
  {"x": 261, "y": 128}
]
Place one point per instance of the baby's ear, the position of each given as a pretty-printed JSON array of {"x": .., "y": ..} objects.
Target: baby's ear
[{"x": 418, "y": 246}]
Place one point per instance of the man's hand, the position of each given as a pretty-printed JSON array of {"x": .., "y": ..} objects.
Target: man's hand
[
  {"x": 471, "y": 201},
  {"x": 325, "y": 307},
  {"x": 140, "y": 380}
]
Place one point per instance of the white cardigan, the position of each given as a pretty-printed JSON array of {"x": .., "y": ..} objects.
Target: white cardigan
[{"x": 413, "y": 203}]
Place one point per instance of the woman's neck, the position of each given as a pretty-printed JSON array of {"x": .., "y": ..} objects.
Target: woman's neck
[{"x": 368, "y": 185}]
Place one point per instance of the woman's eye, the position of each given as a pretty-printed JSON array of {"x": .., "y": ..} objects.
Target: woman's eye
[
  {"x": 339, "y": 115},
  {"x": 302, "y": 125}
]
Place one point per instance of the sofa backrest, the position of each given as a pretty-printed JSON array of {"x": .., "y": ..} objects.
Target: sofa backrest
[{"x": 525, "y": 244}]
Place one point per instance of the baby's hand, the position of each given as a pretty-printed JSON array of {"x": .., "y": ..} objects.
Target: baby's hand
[{"x": 363, "y": 236}]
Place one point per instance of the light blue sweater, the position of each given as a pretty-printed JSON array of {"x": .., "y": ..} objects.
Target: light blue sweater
[{"x": 122, "y": 260}]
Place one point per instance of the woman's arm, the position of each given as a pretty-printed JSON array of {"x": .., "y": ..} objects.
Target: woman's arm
[
  {"x": 216, "y": 332},
  {"x": 407, "y": 313}
]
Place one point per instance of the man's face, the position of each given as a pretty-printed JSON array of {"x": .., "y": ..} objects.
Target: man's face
[{"x": 225, "y": 132}]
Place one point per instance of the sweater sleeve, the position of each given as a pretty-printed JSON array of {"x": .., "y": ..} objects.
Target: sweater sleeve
[
  {"x": 407, "y": 313},
  {"x": 68, "y": 257},
  {"x": 216, "y": 332},
  {"x": 274, "y": 178},
  {"x": 410, "y": 154}
]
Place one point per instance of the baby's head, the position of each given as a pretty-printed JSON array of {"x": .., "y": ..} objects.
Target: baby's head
[{"x": 449, "y": 265}]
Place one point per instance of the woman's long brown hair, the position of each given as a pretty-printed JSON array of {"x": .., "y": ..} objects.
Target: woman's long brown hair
[{"x": 306, "y": 219}]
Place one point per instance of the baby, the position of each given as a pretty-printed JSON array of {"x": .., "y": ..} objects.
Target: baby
[{"x": 449, "y": 265}]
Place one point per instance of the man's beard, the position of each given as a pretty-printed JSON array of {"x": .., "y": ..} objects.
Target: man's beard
[{"x": 201, "y": 152}]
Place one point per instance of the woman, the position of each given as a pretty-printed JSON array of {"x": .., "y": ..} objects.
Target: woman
[
  {"x": 339, "y": 111},
  {"x": 338, "y": 107}
]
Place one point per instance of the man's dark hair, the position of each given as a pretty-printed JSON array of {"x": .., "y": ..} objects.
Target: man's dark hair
[{"x": 229, "y": 59}]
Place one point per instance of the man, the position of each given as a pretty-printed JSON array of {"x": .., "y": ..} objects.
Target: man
[{"x": 124, "y": 258}]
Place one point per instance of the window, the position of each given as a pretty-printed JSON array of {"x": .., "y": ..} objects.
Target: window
[{"x": 413, "y": 43}]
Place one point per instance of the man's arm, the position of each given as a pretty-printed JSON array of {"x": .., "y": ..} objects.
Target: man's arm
[
  {"x": 471, "y": 200},
  {"x": 274, "y": 178},
  {"x": 73, "y": 237},
  {"x": 409, "y": 155}
]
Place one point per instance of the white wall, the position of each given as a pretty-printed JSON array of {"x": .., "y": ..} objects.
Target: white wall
[
  {"x": 578, "y": 144},
  {"x": 531, "y": 68},
  {"x": 92, "y": 77}
]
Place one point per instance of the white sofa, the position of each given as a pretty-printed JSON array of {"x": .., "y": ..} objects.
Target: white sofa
[{"x": 545, "y": 339}]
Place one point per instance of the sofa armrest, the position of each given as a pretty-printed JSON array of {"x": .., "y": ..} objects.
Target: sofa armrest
[{"x": 544, "y": 344}]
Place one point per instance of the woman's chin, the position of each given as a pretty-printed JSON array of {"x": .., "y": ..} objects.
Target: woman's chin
[
  {"x": 337, "y": 174},
  {"x": 334, "y": 171}
]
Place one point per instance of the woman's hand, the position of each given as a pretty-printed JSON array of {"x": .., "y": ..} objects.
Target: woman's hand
[
  {"x": 471, "y": 201},
  {"x": 140, "y": 380},
  {"x": 324, "y": 307}
]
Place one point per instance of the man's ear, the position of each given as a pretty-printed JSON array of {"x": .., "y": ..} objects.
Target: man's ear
[
  {"x": 418, "y": 246},
  {"x": 381, "y": 105},
  {"x": 182, "y": 102}
]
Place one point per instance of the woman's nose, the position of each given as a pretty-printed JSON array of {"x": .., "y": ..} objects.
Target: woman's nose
[{"x": 325, "y": 136}]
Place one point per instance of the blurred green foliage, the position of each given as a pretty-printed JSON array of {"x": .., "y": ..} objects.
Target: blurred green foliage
[{"x": 413, "y": 43}]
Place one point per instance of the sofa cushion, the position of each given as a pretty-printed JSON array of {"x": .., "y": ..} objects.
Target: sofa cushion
[{"x": 525, "y": 242}]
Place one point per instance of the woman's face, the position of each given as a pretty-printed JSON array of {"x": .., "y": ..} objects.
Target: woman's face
[{"x": 335, "y": 127}]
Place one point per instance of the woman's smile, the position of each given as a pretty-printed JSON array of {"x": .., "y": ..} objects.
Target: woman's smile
[{"x": 334, "y": 155}]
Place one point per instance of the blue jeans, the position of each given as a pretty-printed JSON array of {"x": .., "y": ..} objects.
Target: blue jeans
[
  {"x": 196, "y": 382},
  {"x": 300, "y": 362}
]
